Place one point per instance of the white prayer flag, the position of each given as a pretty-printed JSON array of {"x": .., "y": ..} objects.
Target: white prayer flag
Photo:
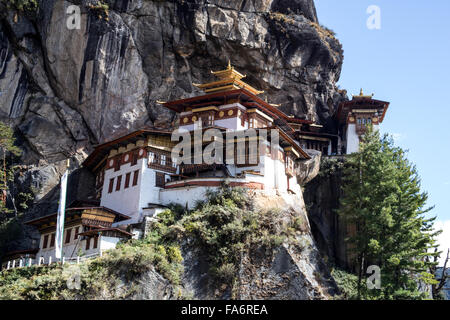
[{"x": 61, "y": 216}]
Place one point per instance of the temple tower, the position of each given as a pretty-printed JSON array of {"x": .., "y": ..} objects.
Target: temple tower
[{"x": 355, "y": 116}]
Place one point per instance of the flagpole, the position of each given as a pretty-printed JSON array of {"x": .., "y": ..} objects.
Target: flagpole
[{"x": 61, "y": 213}]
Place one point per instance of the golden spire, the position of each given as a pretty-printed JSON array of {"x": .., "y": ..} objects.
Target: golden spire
[
  {"x": 230, "y": 79},
  {"x": 361, "y": 95}
]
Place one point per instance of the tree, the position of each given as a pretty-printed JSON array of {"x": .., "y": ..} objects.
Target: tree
[
  {"x": 7, "y": 148},
  {"x": 437, "y": 287},
  {"x": 383, "y": 202}
]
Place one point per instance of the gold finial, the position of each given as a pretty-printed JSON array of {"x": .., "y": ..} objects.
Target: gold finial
[
  {"x": 229, "y": 65},
  {"x": 68, "y": 163},
  {"x": 361, "y": 95}
]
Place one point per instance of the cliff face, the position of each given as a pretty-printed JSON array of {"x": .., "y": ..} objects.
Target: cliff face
[{"x": 64, "y": 90}]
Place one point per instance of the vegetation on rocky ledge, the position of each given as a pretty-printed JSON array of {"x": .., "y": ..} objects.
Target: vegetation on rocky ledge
[{"x": 223, "y": 227}]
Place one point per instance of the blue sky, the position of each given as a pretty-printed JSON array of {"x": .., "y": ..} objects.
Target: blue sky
[{"x": 406, "y": 62}]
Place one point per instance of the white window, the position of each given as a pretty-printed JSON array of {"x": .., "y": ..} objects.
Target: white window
[
  {"x": 174, "y": 162},
  {"x": 163, "y": 160},
  {"x": 151, "y": 157}
]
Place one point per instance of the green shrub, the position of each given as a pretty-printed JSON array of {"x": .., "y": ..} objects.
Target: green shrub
[
  {"x": 21, "y": 5},
  {"x": 347, "y": 284}
]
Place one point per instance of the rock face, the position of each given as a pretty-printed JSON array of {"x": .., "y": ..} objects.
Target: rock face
[
  {"x": 322, "y": 195},
  {"x": 291, "y": 271}
]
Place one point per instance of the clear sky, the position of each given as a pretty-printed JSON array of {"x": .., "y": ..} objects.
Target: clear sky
[{"x": 405, "y": 62}]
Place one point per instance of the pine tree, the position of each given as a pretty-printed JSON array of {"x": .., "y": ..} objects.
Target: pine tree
[
  {"x": 7, "y": 147},
  {"x": 383, "y": 201}
]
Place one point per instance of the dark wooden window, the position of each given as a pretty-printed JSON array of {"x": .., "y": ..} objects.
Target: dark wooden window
[
  {"x": 127, "y": 180},
  {"x": 68, "y": 235},
  {"x": 94, "y": 246},
  {"x": 134, "y": 158},
  {"x": 118, "y": 183},
  {"x": 117, "y": 164},
  {"x": 52, "y": 240},
  {"x": 135, "y": 177},
  {"x": 160, "y": 179},
  {"x": 111, "y": 185},
  {"x": 44, "y": 245},
  {"x": 88, "y": 243},
  {"x": 77, "y": 231}
]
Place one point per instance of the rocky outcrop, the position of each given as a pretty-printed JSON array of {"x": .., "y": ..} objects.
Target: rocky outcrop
[
  {"x": 292, "y": 271},
  {"x": 309, "y": 169},
  {"x": 322, "y": 195}
]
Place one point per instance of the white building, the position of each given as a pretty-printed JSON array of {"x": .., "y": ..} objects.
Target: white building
[
  {"x": 355, "y": 116},
  {"x": 88, "y": 231},
  {"x": 137, "y": 176}
]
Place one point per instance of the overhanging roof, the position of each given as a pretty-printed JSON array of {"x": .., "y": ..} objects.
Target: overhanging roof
[
  {"x": 361, "y": 103},
  {"x": 102, "y": 150},
  {"x": 72, "y": 211}
]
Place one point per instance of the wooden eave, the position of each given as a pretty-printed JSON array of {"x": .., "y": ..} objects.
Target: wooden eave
[
  {"x": 74, "y": 211},
  {"x": 361, "y": 103},
  {"x": 101, "y": 151}
]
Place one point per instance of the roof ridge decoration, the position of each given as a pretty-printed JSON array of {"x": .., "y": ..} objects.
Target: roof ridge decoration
[
  {"x": 361, "y": 95},
  {"x": 229, "y": 79}
]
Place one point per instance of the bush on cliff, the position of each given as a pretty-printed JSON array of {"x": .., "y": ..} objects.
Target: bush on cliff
[{"x": 223, "y": 226}]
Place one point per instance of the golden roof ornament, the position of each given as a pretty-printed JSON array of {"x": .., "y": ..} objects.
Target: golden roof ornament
[
  {"x": 361, "y": 95},
  {"x": 230, "y": 79}
]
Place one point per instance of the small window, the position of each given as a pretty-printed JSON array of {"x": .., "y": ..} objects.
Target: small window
[
  {"x": 160, "y": 179},
  {"x": 117, "y": 164},
  {"x": 135, "y": 178},
  {"x": 94, "y": 246},
  {"x": 52, "y": 240},
  {"x": 127, "y": 180},
  {"x": 119, "y": 181},
  {"x": 45, "y": 242},
  {"x": 151, "y": 157},
  {"x": 111, "y": 185},
  {"x": 174, "y": 162},
  {"x": 134, "y": 158},
  {"x": 77, "y": 231},
  {"x": 68, "y": 235},
  {"x": 88, "y": 243},
  {"x": 163, "y": 160}
]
